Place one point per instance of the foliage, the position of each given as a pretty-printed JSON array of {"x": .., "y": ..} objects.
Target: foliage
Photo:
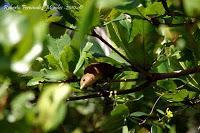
[{"x": 45, "y": 45}]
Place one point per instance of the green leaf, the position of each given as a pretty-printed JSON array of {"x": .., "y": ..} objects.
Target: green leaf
[
  {"x": 124, "y": 27},
  {"x": 18, "y": 2},
  {"x": 192, "y": 7},
  {"x": 195, "y": 47},
  {"x": 156, "y": 8},
  {"x": 177, "y": 96},
  {"x": 51, "y": 105},
  {"x": 173, "y": 129},
  {"x": 126, "y": 75},
  {"x": 19, "y": 126},
  {"x": 113, "y": 124},
  {"x": 55, "y": 75},
  {"x": 24, "y": 36},
  {"x": 34, "y": 37},
  {"x": 138, "y": 114},
  {"x": 156, "y": 129},
  {"x": 113, "y": 32},
  {"x": 118, "y": 42},
  {"x": 153, "y": 9},
  {"x": 168, "y": 84},
  {"x": 53, "y": 17},
  {"x": 118, "y": 58},
  {"x": 89, "y": 17},
  {"x": 135, "y": 41},
  {"x": 63, "y": 56},
  {"x": 39, "y": 31},
  {"x": 141, "y": 27},
  {"x": 20, "y": 105},
  {"x": 68, "y": 15},
  {"x": 160, "y": 111},
  {"x": 112, "y": 3},
  {"x": 125, "y": 129},
  {"x": 13, "y": 27},
  {"x": 4, "y": 85},
  {"x": 53, "y": 62},
  {"x": 67, "y": 61},
  {"x": 35, "y": 81},
  {"x": 119, "y": 110},
  {"x": 83, "y": 56},
  {"x": 56, "y": 46},
  {"x": 164, "y": 67}
]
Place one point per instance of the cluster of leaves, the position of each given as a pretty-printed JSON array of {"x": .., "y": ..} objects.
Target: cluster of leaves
[{"x": 45, "y": 46}]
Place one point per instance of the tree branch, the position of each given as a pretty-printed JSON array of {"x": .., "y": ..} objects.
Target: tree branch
[
  {"x": 95, "y": 95},
  {"x": 110, "y": 93},
  {"x": 154, "y": 77},
  {"x": 192, "y": 102},
  {"x": 151, "y": 77},
  {"x": 178, "y": 24},
  {"x": 164, "y": 3},
  {"x": 175, "y": 74},
  {"x": 123, "y": 80},
  {"x": 152, "y": 109}
]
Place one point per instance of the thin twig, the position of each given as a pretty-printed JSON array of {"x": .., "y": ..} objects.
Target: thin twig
[
  {"x": 152, "y": 109},
  {"x": 64, "y": 26},
  {"x": 60, "y": 81},
  {"x": 192, "y": 102},
  {"x": 124, "y": 80}
]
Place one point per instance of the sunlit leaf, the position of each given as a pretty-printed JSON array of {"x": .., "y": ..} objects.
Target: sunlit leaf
[
  {"x": 20, "y": 106},
  {"x": 112, "y": 3},
  {"x": 51, "y": 105}
]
